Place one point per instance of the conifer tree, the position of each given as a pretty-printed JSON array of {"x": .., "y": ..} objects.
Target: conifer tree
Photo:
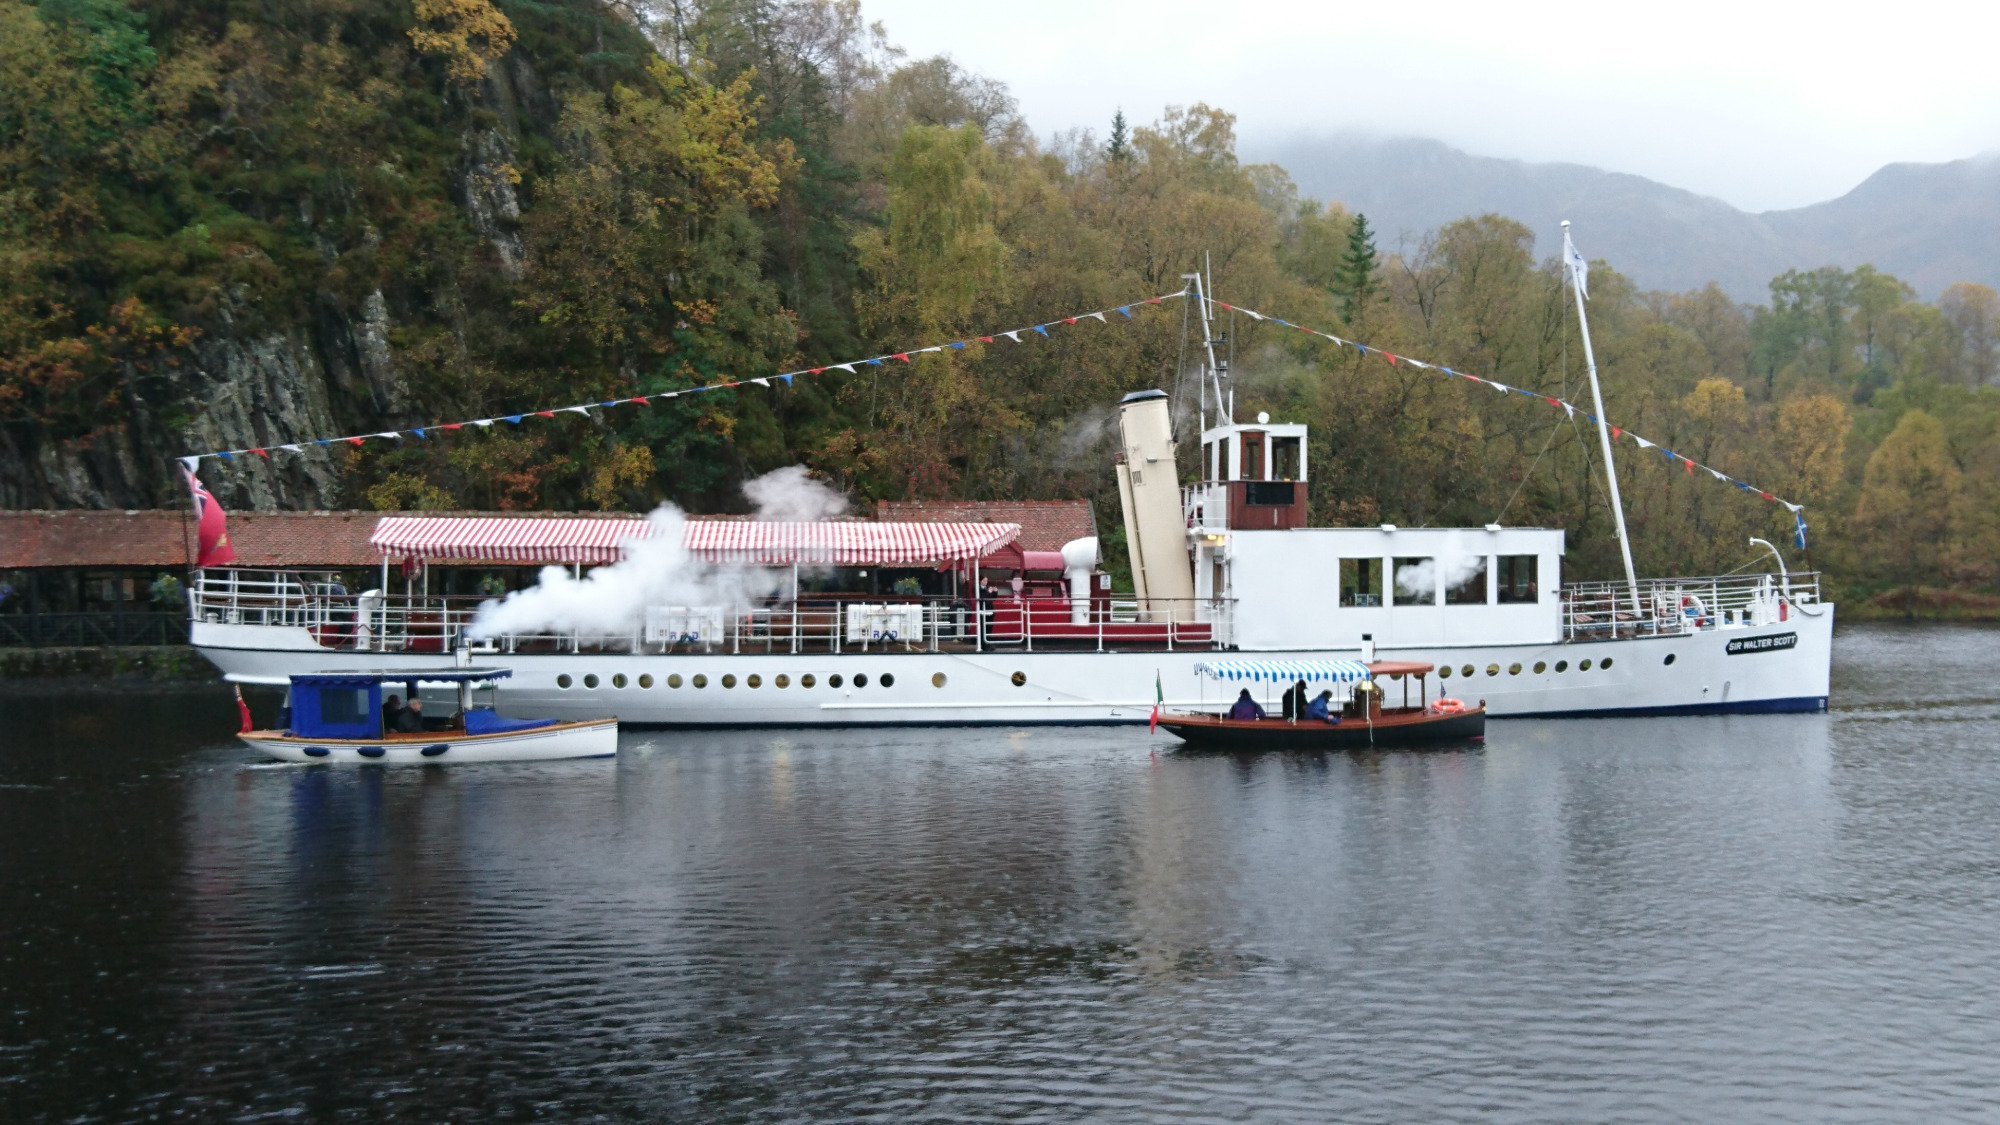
[
  {"x": 1120, "y": 148},
  {"x": 1356, "y": 282}
]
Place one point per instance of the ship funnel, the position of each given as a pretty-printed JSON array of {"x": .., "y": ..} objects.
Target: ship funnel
[{"x": 1150, "y": 489}]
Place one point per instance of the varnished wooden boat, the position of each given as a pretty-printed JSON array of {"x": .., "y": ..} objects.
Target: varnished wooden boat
[{"x": 1361, "y": 720}]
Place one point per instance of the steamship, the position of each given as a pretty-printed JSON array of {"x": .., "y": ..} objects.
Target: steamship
[{"x": 1225, "y": 565}]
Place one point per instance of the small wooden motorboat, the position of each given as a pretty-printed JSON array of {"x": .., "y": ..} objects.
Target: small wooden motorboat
[
  {"x": 338, "y": 718},
  {"x": 1358, "y": 717}
]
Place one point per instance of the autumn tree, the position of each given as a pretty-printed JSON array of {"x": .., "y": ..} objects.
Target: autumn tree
[{"x": 1903, "y": 515}]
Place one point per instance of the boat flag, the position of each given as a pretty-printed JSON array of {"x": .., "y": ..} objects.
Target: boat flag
[
  {"x": 1159, "y": 697},
  {"x": 1578, "y": 268},
  {"x": 243, "y": 714},
  {"x": 211, "y": 526}
]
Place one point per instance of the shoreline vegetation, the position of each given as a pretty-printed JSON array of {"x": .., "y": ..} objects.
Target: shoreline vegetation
[{"x": 237, "y": 226}]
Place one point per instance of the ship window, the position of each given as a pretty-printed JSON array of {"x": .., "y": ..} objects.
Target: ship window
[
  {"x": 753, "y": 680},
  {"x": 1583, "y": 666},
  {"x": 590, "y": 680},
  {"x": 1416, "y": 581},
  {"x": 1517, "y": 579},
  {"x": 1465, "y": 671},
  {"x": 1285, "y": 458},
  {"x": 1470, "y": 585},
  {"x": 937, "y": 679},
  {"x": 1562, "y": 665},
  {"x": 618, "y": 680},
  {"x": 673, "y": 679},
  {"x": 807, "y": 680},
  {"x": 833, "y": 680},
  {"x": 1270, "y": 493},
  {"x": 1253, "y": 455},
  {"x": 1669, "y": 659},
  {"x": 888, "y": 679},
  {"x": 1492, "y": 669},
  {"x": 563, "y": 681},
  {"x": 700, "y": 680},
  {"x": 1020, "y": 679},
  {"x": 861, "y": 679},
  {"x": 1513, "y": 669},
  {"x": 1606, "y": 663},
  {"x": 645, "y": 679},
  {"x": 1444, "y": 673},
  {"x": 781, "y": 680},
  {"x": 1541, "y": 666},
  {"x": 729, "y": 679},
  {"x": 1361, "y": 582},
  {"x": 1215, "y": 449}
]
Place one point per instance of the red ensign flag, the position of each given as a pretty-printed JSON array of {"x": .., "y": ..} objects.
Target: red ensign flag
[{"x": 211, "y": 527}]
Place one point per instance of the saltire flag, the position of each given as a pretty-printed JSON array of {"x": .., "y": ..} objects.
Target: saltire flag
[
  {"x": 1578, "y": 268},
  {"x": 1159, "y": 697},
  {"x": 211, "y": 526}
]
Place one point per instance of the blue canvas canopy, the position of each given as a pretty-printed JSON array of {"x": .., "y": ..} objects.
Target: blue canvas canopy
[
  {"x": 1285, "y": 671},
  {"x": 349, "y": 704}
]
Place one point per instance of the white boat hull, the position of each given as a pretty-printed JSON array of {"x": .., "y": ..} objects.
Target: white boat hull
[
  {"x": 588, "y": 739},
  {"x": 1768, "y": 668}
]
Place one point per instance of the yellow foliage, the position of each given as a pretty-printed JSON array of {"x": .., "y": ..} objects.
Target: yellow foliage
[{"x": 467, "y": 34}]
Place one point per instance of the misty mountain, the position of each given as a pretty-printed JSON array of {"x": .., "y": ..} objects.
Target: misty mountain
[{"x": 1929, "y": 224}]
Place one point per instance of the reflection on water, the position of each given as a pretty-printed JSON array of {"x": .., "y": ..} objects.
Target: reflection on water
[{"x": 1785, "y": 916}]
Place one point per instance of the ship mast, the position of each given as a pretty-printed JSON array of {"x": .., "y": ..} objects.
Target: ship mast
[
  {"x": 1212, "y": 371},
  {"x": 1578, "y": 272}
]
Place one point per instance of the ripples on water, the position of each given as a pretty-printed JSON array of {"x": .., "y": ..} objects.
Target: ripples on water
[{"x": 1773, "y": 917}]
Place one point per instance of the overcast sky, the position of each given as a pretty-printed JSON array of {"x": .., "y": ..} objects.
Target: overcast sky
[{"x": 1762, "y": 103}]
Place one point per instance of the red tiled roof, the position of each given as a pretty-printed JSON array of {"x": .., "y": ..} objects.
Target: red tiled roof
[{"x": 1045, "y": 524}]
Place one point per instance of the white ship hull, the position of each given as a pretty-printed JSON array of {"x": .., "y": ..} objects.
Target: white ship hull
[{"x": 1777, "y": 667}]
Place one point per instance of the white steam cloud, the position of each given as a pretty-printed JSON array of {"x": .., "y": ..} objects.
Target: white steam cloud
[
  {"x": 1419, "y": 580},
  {"x": 611, "y": 601}
]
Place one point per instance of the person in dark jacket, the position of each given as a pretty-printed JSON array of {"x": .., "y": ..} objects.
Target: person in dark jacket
[
  {"x": 1295, "y": 701},
  {"x": 1245, "y": 707},
  {"x": 1320, "y": 708},
  {"x": 392, "y": 709},
  {"x": 411, "y": 719}
]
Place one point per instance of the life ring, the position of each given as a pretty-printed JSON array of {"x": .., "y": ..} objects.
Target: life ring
[{"x": 1447, "y": 707}]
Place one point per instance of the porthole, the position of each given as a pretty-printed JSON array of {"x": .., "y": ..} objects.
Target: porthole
[
  {"x": 753, "y": 680},
  {"x": 833, "y": 680},
  {"x": 1583, "y": 665},
  {"x": 1606, "y": 664},
  {"x": 1492, "y": 669},
  {"x": 1669, "y": 659},
  {"x": 645, "y": 679},
  {"x": 699, "y": 680},
  {"x": 590, "y": 680},
  {"x": 937, "y": 679},
  {"x": 1513, "y": 669},
  {"x": 1020, "y": 679},
  {"x": 1444, "y": 673},
  {"x": 807, "y": 680},
  {"x": 781, "y": 680},
  {"x": 618, "y": 680},
  {"x": 1396, "y": 676},
  {"x": 1465, "y": 671},
  {"x": 729, "y": 679},
  {"x": 1541, "y": 666},
  {"x": 563, "y": 681},
  {"x": 888, "y": 679},
  {"x": 1562, "y": 665},
  {"x": 673, "y": 679},
  {"x": 861, "y": 679}
]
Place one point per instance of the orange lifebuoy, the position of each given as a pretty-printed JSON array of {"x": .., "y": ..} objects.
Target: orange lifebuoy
[{"x": 1447, "y": 707}]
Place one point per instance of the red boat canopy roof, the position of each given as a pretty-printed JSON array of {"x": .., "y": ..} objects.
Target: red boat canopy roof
[{"x": 582, "y": 539}]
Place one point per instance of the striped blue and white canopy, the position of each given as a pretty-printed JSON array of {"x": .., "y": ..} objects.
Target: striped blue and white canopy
[{"x": 1285, "y": 671}]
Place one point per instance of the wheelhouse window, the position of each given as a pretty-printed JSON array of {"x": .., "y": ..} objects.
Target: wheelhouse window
[
  {"x": 1253, "y": 455},
  {"x": 1361, "y": 582},
  {"x": 1466, "y": 586},
  {"x": 1518, "y": 579},
  {"x": 1416, "y": 581},
  {"x": 1285, "y": 458}
]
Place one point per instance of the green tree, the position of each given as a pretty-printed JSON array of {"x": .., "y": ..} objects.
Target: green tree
[
  {"x": 1356, "y": 283},
  {"x": 1903, "y": 515}
]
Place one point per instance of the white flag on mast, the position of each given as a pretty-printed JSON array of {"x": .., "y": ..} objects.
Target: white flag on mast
[{"x": 1579, "y": 269}]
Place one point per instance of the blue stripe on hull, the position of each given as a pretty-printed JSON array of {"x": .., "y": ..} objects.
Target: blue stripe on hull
[{"x": 1796, "y": 705}]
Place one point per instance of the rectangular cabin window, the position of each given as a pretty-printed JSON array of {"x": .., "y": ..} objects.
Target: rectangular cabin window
[
  {"x": 1416, "y": 581},
  {"x": 1209, "y": 466},
  {"x": 344, "y": 706},
  {"x": 1466, "y": 580},
  {"x": 1270, "y": 493},
  {"x": 1361, "y": 582},
  {"x": 1222, "y": 459},
  {"x": 1253, "y": 456},
  {"x": 1285, "y": 458},
  {"x": 1517, "y": 575}
]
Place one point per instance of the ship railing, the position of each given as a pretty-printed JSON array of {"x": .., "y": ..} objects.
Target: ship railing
[
  {"x": 1678, "y": 607},
  {"x": 372, "y": 621},
  {"x": 1206, "y": 507}
]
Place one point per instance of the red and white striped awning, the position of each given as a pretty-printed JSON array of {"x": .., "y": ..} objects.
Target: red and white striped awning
[
  {"x": 538, "y": 540},
  {"x": 527, "y": 540},
  {"x": 844, "y": 542}
]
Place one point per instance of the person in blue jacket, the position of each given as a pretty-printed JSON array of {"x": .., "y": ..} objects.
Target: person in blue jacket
[
  {"x": 1320, "y": 707},
  {"x": 1245, "y": 707}
]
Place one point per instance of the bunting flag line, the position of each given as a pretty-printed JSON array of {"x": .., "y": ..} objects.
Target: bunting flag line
[
  {"x": 423, "y": 433},
  {"x": 1569, "y": 410}
]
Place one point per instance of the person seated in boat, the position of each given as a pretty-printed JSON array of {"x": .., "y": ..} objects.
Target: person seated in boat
[
  {"x": 1320, "y": 708},
  {"x": 392, "y": 709},
  {"x": 410, "y": 720},
  {"x": 1295, "y": 701},
  {"x": 1245, "y": 707}
]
